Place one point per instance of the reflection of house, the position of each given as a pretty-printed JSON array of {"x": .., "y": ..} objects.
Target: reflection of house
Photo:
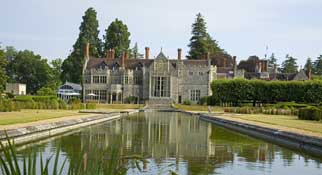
[
  {"x": 69, "y": 90},
  {"x": 16, "y": 88},
  {"x": 159, "y": 80}
]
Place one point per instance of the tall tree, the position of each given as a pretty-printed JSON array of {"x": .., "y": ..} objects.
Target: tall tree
[
  {"x": 72, "y": 66},
  {"x": 30, "y": 69},
  {"x": 272, "y": 61},
  {"x": 201, "y": 43},
  {"x": 56, "y": 71},
  {"x": 3, "y": 76},
  {"x": 308, "y": 65},
  {"x": 318, "y": 66},
  {"x": 11, "y": 54},
  {"x": 289, "y": 65},
  {"x": 117, "y": 37},
  {"x": 135, "y": 52}
]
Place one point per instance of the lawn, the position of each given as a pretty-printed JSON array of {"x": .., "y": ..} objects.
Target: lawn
[
  {"x": 197, "y": 108},
  {"x": 25, "y": 116},
  {"x": 285, "y": 121},
  {"x": 118, "y": 106}
]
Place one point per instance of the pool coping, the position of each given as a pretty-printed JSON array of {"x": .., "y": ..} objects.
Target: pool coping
[
  {"x": 308, "y": 144},
  {"x": 28, "y": 134}
]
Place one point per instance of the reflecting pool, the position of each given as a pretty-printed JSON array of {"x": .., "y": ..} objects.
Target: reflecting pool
[{"x": 174, "y": 142}]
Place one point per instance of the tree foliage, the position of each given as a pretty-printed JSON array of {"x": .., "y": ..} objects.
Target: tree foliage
[
  {"x": 3, "y": 64},
  {"x": 201, "y": 43},
  {"x": 289, "y": 65},
  {"x": 30, "y": 69},
  {"x": 318, "y": 66},
  {"x": 135, "y": 52},
  {"x": 72, "y": 66},
  {"x": 308, "y": 65},
  {"x": 117, "y": 37},
  {"x": 239, "y": 91},
  {"x": 272, "y": 61}
]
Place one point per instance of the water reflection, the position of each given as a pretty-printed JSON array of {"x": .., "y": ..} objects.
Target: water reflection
[{"x": 181, "y": 143}]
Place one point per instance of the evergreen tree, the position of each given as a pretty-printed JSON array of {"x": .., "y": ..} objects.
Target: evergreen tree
[
  {"x": 56, "y": 66},
  {"x": 201, "y": 43},
  {"x": 308, "y": 66},
  {"x": 72, "y": 66},
  {"x": 289, "y": 65},
  {"x": 3, "y": 76},
  {"x": 318, "y": 66},
  {"x": 117, "y": 37},
  {"x": 272, "y": 61},
  {"x": 135, "y": 52}
]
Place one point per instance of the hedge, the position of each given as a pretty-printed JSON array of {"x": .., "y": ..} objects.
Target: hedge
[
  {"x": 310, "y": 113},
  {"x": 237, "y": 91},
  {"x": 41, "y": 102}
]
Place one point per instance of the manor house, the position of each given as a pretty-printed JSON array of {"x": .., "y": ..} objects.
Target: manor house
[{"x": 159, "y": 80}]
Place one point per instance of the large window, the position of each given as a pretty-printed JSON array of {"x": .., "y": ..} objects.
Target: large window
[
  {"x": 195, "y": 95},
  {"x": 126, "y": 79},
  {"x": 103, "y": 96},
  {"x": 103, "y": 79},
  {"x": 160, "y": 87},
  {"x": 96, "y": 79}
]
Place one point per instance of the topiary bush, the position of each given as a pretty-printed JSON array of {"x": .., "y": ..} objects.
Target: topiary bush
[
  {"x": 203, "y": 101},
  {"x": 310, "y": 113}
]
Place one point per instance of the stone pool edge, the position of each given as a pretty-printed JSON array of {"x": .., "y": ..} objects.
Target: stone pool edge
[
  {"x": 37, "y": 132},
  {"x": 308, "y": 144}
]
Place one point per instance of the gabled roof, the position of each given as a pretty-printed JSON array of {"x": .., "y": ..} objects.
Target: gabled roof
[{"x": 161, "y": 56}]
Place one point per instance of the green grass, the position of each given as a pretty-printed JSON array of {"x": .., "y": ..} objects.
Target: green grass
[
  {"x": 25, "y": 116},
  {"x": 118, "y": 106},
  {"x": 285, "y": 121},
  {"x": 197, "y": 108}
]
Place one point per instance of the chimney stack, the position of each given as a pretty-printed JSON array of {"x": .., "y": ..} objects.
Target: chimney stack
[
  {"x": 225, "y": 62},
  {"x": 234, "y": 62},
  {"x": 275, "y": 71},
  {"x": 179, "y": 53},
  {"x": 123, "y": 59},
  {"x": 112, "y": 54},
  {"x": 310, "y": 74},
  {"x": 86, "y": 50},
  {"x": 147, "y": 53},
  {"x": 108, "y": 54},
  {"x": 126, "y": 55}
]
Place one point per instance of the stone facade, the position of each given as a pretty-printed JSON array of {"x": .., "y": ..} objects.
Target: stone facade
[{"x": 158, "y": 80}]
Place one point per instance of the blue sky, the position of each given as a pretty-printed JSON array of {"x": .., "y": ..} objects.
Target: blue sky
[{"x": 242, "y": 28}]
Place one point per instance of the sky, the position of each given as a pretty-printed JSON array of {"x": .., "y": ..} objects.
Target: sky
[{"x": 241, "y": 27}]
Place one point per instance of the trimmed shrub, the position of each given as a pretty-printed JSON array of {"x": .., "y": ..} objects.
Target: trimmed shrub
[
  {"x": 203, "y": 101},
  {"x": 310, "y": 113},
  {"x": 132, "y": 99},
  {"x": 91, "y": 106},
  {"x": 187, "y": 102}
]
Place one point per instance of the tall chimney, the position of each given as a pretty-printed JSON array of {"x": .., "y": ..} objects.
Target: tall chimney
[
  {"x": 108, "y": 54},
  {"x": 225, "y": 62},
  {"x": 112, "y": 54},
  {"x": 86, "y": 50},
  {"x": 234, "y": 62},
  {"x": 310, "y": 74},
  {"x": 179, "y": 53},
  {"x": 126, "y": 55},
  {"x": 123, "y": 59},
  {"x": 147, "y": 53}
]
